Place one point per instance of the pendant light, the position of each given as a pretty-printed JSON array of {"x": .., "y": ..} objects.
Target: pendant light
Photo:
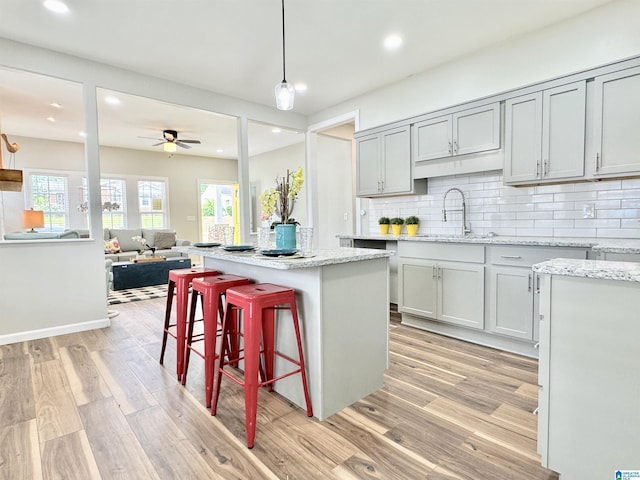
[{"x": 285, "y": 93}]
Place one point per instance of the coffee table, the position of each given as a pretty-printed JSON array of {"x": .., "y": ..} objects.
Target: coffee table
[{"x": 144, "y": 274}]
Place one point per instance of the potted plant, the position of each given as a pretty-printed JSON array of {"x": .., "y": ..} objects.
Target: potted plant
[
  {"x": 396, "y": 226},
  {"x": 412, "y": 225},
  {"x": 383, "y": 223},
  {"x": 282, "y": 199}
]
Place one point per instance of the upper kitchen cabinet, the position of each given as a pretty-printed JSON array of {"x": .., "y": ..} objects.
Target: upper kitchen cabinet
[
  {"x": 460, "y": 133},
  {"x": 616, "y": 122},
  {"x": 384, "y": 164},
  {"x": 545, "y": 135}
]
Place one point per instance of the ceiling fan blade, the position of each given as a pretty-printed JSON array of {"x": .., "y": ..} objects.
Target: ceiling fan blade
[
  {"x": 181, "y": 144},
  {"x": 156, "y": 144},
  {"x": 189, "y": 141},
  {"x": 153, "y": 138}
]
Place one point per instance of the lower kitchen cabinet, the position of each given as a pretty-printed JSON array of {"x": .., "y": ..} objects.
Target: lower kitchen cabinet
[
  {"x": 512, "y": 287},
  {"x": 511, "y": 301},
  {"x": 588, "y": 420},
  {"x": 441, "y": 288}
]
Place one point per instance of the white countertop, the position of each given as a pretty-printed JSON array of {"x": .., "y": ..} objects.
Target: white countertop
[
  {"x": 598, "y": 269},
  {"x": 604, "y": 245},
  {"x": 318, "y": 258}
]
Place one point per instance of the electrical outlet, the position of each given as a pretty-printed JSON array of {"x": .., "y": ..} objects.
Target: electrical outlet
[
  {"x": 588, "y": 210},
  {"x": 346, "y": 215}
]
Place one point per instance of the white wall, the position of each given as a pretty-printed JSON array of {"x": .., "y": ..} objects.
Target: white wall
[
  {"x": 264, "y": 168},
  {"x": 334, "y": 183}
]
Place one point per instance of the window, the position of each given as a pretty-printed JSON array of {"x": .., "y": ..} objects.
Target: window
[
  {"x": 152, "y": 201},
  {"x": 49, "y": 193},
  {"x": 114, "y": 202}
]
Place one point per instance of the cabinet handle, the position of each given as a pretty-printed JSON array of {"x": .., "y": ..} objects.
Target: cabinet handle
[
  {"x": 455, "y": 147},
  {"x": 537, "y": 169},
  {"x": 514, "y": 257},
  {"x": 450, "y": 148},
  {"x": 529, "y": 287},
  {"x": 382, "y": 186},
  {"x": 433, "y": 272},
  {"x": 545, "y": 168},
  {"x": 597, "y": 161},
  {"x": 537, "y": 284}
]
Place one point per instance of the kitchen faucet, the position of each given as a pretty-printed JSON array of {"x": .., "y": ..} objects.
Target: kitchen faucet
[{"x": 465, "y": 229}]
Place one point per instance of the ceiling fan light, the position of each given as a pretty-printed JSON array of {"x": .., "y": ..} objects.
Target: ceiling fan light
[
  {"x": 169, "y": 147},
  {"x": 285, "y": 96}
]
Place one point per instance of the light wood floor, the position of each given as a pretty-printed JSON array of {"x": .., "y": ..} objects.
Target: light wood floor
[{"x": 97, "y": 405}]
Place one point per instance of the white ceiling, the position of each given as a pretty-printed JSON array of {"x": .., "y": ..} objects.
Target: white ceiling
[{"x": 233, "y": 47}]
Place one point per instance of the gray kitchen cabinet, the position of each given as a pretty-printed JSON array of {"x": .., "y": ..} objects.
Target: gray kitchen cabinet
[
  {"x": 588, "y": 418},
  {"x": 545, "y": 135},
  {"x": 384, "y": 164},
  {"x": 616, "y": 122},
  {"x": 443, "y": 282},
  {"x": 513, "y": 287},
  {"x": 460, "y": 133}
]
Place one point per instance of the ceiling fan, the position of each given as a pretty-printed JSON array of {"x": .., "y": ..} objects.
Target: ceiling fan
[{"x": 171, "y": 137}]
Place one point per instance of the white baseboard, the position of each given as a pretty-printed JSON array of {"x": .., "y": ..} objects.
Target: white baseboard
[{"x": 53, "y": 331}]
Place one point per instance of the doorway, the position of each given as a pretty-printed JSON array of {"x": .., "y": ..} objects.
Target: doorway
[{"x": 217, "y": 206}]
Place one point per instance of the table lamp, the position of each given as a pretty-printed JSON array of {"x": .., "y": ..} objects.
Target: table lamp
[{"x": 32, "y": 219}]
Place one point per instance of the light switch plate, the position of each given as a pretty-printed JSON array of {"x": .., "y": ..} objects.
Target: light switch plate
[{"x": 588, "y": 210}]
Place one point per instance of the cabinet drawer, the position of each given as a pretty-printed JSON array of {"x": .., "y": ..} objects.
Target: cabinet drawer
[
  {"x": 453, "y": 252},
  {"x": 527, "y": 256}
]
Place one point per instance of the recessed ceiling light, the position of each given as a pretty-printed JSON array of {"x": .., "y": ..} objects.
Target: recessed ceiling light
[
  {"x": 392, "y": 42},
  {"x": 301, "y": 87},
  {"x": 51, "y": 119},
  {"x": 219, "y": 150},
  {"x": 276, "y": 130},
  {"x": 55, "y": 105},
  {"x": 112, "y": 100},
  {"x": 56, "y": 6},
  {"x": 82, "y": 134}
]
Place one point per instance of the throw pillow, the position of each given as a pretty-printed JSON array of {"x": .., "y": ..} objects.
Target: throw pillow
[
  {"x": 165, "y": 240},
  {"x": 112, "y": 246}
]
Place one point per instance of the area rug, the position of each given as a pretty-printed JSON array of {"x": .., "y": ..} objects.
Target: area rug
[{"x": 136, "y": 294}]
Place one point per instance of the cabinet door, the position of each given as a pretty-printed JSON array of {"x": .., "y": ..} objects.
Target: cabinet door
[
  {"x": 476, "y": 130},
  {"x": 563, "y": 131},
  {"x": 511, "y": 293},
  {"x": 433, "y": 139},
  {"x": 417, "y": 288},
  {"x": 617, "y": 123},
  {"x": 396, "y": 160},
  {"x": 368, "y": 158},
  {"x": 523, "y": 138},
  {"x": 461, "y": 299}
]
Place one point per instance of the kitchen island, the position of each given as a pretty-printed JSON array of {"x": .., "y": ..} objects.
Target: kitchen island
[
  {"x": 343, "y": 304},
  {"x": 589, "y": 373}
]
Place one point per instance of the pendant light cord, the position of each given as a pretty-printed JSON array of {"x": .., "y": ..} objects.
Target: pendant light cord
[{"x": 284, "y": 69}]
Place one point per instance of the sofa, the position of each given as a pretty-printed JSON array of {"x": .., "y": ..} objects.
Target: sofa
[
  {"x": 42, "y": 235},
  {"x": 119, "y": 245}
]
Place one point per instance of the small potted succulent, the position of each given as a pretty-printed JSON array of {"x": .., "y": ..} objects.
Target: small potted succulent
[
  {"x": 396, "y": 226},
  {"x": 412, "y": 225},
  {"x": 383, "y": 223}
]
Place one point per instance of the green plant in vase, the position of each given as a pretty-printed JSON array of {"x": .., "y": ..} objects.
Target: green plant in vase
[
  {"x": 282, "y": 199},
  {"x": 412, "y": 225},
  {"x": 396, "y": 226},
  {"x": 383, "y": 223}
]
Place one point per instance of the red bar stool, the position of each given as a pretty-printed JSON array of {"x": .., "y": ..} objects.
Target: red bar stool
[
  {"x": 211, "y": 289},
  {"x": 180, "y": 281},
  {"x": 259, "y": 303}
]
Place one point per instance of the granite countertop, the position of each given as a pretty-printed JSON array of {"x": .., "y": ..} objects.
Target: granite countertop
[
  {"x": 602, "y": 245},
  {"x": 317, "y": 258},
  {"x": 598, "y": 269}
]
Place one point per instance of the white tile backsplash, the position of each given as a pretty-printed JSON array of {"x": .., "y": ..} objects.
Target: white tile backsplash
[{"x": 544, "y": 210}]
